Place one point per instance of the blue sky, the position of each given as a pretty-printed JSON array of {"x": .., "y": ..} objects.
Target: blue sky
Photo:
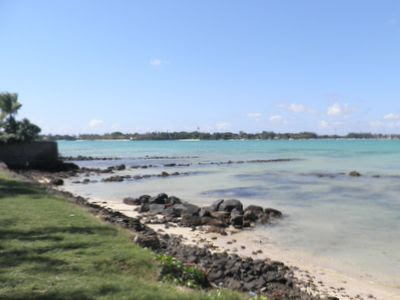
[{"x": 101, "y": 66}]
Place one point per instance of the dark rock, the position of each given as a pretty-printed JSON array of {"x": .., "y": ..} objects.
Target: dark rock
[
  {"x": 170, "y": 165},
  {"x": 205, "y": 212},
  {"x": 159, "y": 199},
  {"x": 252, "y": 213},
  {"x": 172, "y": 200},
  {"x": 216, "y": 204},
  {"x": 273, "y": 213},
  {"x": 144, "y": 208},
  {"x": 236, "y": 219},
  {"x": 156, "y": 208},
  {"x": 221, "y": 215},
  {"x": 229, "y": 205},
  {"x": 354, "y": 174},
  {"x": 190, "y": 221},
  {"x": 164, "y": 174},
  {"x": 56, "y": 181},
  {"x": 214, "y": 276},
  {"x": 188, "y": 209},
  {"x": 120, "y": 167},
  {"x": 144, "y": 199},
  {"x": 131, "y": 201},
  {"x": 213, "y": 222},
  {"x": 150, "y": 241},
  {"x": 116, "y": 178}
]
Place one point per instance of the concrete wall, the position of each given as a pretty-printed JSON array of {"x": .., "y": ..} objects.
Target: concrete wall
[{"x": 29, "y": 155}]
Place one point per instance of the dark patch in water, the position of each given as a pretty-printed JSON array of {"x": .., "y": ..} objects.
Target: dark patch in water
[
  {"x": 278, "y": 178},
  {"x": 244, "y": 192}
]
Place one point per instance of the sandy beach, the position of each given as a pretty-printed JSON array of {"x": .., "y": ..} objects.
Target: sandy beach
[{"x": 322, "y": 281}]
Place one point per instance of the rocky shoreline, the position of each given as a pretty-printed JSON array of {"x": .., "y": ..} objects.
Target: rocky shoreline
[
  {"x": 258, "y": 276},
  {"x": 166, "y": 224}
]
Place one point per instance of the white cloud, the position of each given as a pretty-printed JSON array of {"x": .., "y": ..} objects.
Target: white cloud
[
  {"x": 376, "y": 124},
  {"x": 297, "y": 108},
  {"x": 156, "y": 62},
  {"x": 324, "y": 124},
  {"x": 392, "y": 117},
  {"x": 254, "y": 115},
  {"x": 223, "y": 126},
  {"x": 95, "y": 123},
  {"x": 338, "y": 109},
  {"x": 276, "y": 119}
]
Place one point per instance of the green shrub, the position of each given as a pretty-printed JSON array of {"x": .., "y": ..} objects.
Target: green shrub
[{"x": 173, "y": 270}]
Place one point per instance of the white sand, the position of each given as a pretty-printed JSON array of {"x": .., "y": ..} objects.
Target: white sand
[{"x": 247, "y": 242}]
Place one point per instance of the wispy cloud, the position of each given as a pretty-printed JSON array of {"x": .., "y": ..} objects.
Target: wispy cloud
[
  {"x": 254, "y": 115},
  {"x": 297, "y": 108},
  {"x": 324, "y": 124},
  {"x": 96, "y": 123},
  {"x": 222, "y": 126},
  {"x": 276, "y": 119},
  {"x": 392, "y": 117},
  {"x": 157, "y": 62},
  {"x": 338, "y": 110}
]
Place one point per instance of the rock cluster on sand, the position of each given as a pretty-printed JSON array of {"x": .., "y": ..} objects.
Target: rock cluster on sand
[
  {"x": 222, "y": 213},
  {"x": 231, "y": 271}
]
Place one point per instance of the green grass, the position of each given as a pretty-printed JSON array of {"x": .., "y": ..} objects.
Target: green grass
[{"x": 53, "y": 249}]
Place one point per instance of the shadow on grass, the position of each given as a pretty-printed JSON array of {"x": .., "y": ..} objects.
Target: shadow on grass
[
  {"x": 11, "y": 258},
  {"x": 62, "y": 295},
  {"x": 104, "y": 290},
  {"x": 52, "y": 233},
  {"x": 12, "y": 188}
]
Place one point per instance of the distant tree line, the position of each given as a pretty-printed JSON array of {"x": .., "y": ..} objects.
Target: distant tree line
[
  {"x": 184, "y": 135},
  {"x": 12, "y": 130}
]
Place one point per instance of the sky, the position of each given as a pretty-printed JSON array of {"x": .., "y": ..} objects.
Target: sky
[{"x": 93, "y": 66}]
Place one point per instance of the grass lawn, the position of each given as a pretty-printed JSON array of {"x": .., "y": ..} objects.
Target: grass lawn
[{"x": 53, "y": 249}]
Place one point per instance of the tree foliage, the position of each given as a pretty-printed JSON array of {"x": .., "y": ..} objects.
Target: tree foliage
[{"x": 11, "y": 130}]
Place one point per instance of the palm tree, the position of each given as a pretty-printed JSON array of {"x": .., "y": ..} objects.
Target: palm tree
[{"x": 9, "y": 106}]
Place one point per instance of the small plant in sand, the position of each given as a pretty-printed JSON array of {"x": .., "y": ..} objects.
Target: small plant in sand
[{"x": 173, "y": 270}]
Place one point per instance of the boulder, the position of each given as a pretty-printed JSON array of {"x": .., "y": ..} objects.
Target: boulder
[
  {"x": 213, "y": 222},
  {"x": 273, "y": 213},
  {"x": 156, "y": 208},
  {"x": 116, "y": 178},
  {"x": 354, "y": 174},
  {"x": 144, "y": 199},
  {"x": 215, "y": 205},
  {"x": 172, "y": 200},
  {"x": 236, "y": 218},
  {"x": 150, "y": 241},
  {"x": 229, "y": 205},
  {"x": 120, "y": 167},
  {"x": 159, "y": 199},
  {"x": 144, "y": 208},
  {"x": 221, "y": 215},
  {"x": 170, "y": 165},
  {"x": 56, "y": 181},
  {"x": 189, "y": 209},
  {"x": 131, "y": 201},
  {"x": 252, "y": 213},
  {"x": 205, "y": 212},
  {"x": 190, "y": 221}
]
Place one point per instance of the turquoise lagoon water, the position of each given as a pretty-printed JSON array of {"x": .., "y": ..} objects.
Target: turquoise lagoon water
[{"x": 354, "y": 223}]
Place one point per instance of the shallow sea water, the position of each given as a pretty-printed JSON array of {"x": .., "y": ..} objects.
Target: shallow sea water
[{"x": 351, "y": 224}]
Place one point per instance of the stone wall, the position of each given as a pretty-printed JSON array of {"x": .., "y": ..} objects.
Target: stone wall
[{"x": 29, "y": 155}]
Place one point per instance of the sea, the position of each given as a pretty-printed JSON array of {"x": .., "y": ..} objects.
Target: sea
[{"x": 350, "y": 223}]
